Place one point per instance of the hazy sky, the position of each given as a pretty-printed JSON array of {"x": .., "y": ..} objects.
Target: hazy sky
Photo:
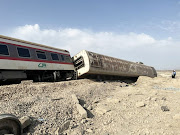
[{"x": 135, "y": 30}]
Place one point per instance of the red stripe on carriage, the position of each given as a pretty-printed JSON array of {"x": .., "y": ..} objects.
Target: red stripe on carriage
[{"x": 23, "y": 59}]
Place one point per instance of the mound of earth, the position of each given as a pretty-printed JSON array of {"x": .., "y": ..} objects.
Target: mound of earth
[{"x": 148, "y": 106}]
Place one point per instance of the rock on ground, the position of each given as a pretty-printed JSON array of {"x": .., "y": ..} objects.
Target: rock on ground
[{"x": 81, "y": 111}]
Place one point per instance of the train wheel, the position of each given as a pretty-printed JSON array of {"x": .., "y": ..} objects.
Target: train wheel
[{"x": 9, "y": 124}]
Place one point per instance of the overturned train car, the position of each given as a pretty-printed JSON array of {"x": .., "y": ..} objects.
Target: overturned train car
[{"x": 93, "y": 65}]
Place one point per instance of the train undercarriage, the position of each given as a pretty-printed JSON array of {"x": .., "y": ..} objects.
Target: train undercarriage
[{"x": 16, "y": 76}]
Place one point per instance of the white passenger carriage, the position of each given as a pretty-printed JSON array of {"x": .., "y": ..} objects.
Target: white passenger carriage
[{"x": 21, "y": 59}]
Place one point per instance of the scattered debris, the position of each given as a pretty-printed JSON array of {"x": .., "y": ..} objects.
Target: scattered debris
[
  {"x": 10, "y": 124},
  {"x": 164, "y": 108},
  {"x": 96, "y": 101},
  {"x": 41, "y": 120},
  {"x": 25, "y": 121}
]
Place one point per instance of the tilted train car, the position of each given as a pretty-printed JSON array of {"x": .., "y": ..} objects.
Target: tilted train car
[
  {"x": 92, "y": 65},
  {"x": 26, "y": 60}
]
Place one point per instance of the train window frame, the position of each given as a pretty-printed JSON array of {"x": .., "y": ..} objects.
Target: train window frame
[
  {"x": 68, "y": 59},
  {"x": 23, "y": 48},
  {"x": 7, "y": 50},
  {"x": 41, "y": 52},
  {"x": 57, "y": 56},
  {"x": 62, "y": 57}
]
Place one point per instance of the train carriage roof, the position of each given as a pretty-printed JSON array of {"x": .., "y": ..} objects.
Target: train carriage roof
[{"x": 31, "y": 43}]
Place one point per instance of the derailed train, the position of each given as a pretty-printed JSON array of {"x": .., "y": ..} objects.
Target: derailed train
[
  {"x": 91, "y": 65},
  {"x": 21, "y": 60}
]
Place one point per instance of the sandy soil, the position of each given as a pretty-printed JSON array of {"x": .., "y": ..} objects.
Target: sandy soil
[{"x": 150, "y": 106}]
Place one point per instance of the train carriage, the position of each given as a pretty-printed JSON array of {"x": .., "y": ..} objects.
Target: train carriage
[
  {"x": 21, "y": 59},
  {"x": 92, "y": 65}
]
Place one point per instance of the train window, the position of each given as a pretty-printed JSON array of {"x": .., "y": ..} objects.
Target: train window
[
  {"x": 62, "y": 57},
  {"x": 68, "y": 58},
  {"x": 4, "y": 50},
  {"x": 41, "y": 55},
  {"x": 23, "y": 52},
  {"x": 54, "y": 56}
]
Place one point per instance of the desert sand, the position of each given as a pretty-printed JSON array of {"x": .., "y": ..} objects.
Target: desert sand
[{"x": 150, "y": 106}]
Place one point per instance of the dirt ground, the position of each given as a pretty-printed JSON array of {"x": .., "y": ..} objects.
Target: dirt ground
[{"x": 150, "y": 106}]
